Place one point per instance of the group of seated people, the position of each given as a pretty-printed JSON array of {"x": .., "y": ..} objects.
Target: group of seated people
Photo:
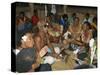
[{"x": 41, "y": 42}]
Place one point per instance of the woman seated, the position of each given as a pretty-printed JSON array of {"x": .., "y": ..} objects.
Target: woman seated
[
  {"x": 29, "y": 58},
  {"x": 74, "y": 32},
  {"x": 86, "y": 33}
]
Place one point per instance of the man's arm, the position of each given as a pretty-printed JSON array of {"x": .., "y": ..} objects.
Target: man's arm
[
  {"x": 37, "y": 63},
  {"x": 37, "y": 41}
]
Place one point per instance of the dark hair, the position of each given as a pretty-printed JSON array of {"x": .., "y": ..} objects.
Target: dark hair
[
  {"x": 95, "y": 19},
  {"x": 87, "y": 14},
  {"x": 73, "y": 14},
  {"x": 50, "y": 15},
  {"x": 88, "y": 24},
  {"x": 22, "y": 13},
  {"x": 65, "y": 16},
  {"x": 76, "y": 18},
  {"x": 35, "y": 12},
  {"x": 19, "y": 37}
]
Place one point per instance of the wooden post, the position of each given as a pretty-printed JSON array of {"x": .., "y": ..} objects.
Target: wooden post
[
  {"x": 65, "y": 9},
  {"x": 46, "y": 10},
  {"x": 31, "y": 5}
]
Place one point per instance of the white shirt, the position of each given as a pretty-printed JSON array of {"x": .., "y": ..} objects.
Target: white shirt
[{"x": 16, "y": 51}]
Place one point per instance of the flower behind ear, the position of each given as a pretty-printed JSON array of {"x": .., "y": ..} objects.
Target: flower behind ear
[{"x": 24, "y": 38}]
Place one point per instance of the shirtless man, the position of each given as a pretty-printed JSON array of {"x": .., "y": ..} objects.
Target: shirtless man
[{"x": 42, "y": 39}]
